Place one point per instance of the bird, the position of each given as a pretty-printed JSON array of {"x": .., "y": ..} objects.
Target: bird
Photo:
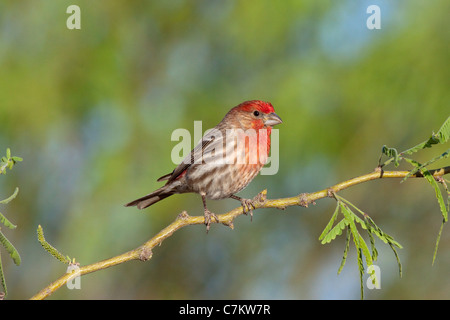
[{"x": 224, "y": 162}]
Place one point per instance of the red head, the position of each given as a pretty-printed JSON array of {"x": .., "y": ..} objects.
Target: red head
[
  {"x": 253, "y": 114},
  {"x": 249, "y": 117}
]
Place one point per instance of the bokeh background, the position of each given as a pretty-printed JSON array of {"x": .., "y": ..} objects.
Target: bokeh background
[{"x": 91, "y": 111}]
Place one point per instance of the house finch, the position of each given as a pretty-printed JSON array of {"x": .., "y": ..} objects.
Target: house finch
[{"x": 225, "y": 161}]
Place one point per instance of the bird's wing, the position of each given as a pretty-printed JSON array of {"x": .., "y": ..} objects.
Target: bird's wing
[{"x": 212, "y": 140}]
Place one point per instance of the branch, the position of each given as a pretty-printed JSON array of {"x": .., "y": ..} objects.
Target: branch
[{"x": 144, "y": 252}]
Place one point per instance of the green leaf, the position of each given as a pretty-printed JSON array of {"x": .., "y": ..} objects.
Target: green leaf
[
  {"x": 441, "y": 136},
  {"x": 6, "y": 222},
  {"x": 381, "y": 234},
  {"x": 11, "y": 197},
  {"x": 49, "y": 248},
  {"x": 387, "y": 239},
  {"x": 419, "y": 167},
  {"x": 374, "y": 249},
  {"x": 361, "y": 272},
  {"x": 350, "y": 220},
  {"x": 437, "y": 242},
  {"x": 330, "y": 223},
  {"x": 392, "y": 153},
  {"x": 365, "y": 250},
  {"x": 2, "y": 276},
  {"x": 370, "y": 232},
  {"x": 444, "y": 132},
  {"x": 8, "y": 153},
  {"x": 426, "y": 144},
  {"x": 347, "y": 246},
  {"x": 397, "y": 258},
  {"x": 336, "y": 231},
  {"x": 430, "y": 178},
  {"x": 355, "y": 217},
  {"x": 359, "y": 241},
  {"x": 10, "y": 249}
]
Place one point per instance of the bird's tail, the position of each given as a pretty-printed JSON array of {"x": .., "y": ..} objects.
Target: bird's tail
[{"x": 151, "y": 198}]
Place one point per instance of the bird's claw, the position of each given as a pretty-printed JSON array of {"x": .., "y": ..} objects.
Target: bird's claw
[
  {"x": 259, "y": 199},
  {"x": 208, "y": 219},
  {"x": 247, "y": 207}
]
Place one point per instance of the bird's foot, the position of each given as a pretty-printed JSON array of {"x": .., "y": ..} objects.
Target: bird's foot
[
  {"x": 208, "y": 219},
  {"x": 248, "y": 205}
]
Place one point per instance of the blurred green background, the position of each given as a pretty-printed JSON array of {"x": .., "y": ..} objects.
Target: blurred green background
[{"x": 91, "y": 111}]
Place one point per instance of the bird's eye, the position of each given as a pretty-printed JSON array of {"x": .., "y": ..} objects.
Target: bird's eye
[{"x": 256, "y": 113}]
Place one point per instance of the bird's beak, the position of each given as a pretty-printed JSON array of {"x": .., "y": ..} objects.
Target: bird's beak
[{"x": 272, "y": 119}]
